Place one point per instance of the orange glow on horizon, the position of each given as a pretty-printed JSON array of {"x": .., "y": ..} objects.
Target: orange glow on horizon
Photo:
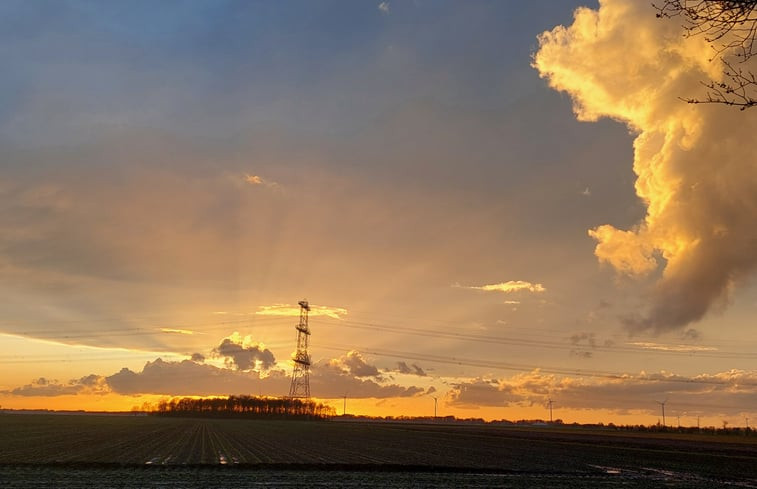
[{"x": 422, "y": 407}]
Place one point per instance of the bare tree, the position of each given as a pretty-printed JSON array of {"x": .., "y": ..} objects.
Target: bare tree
[{"x": 730, "y": 26}]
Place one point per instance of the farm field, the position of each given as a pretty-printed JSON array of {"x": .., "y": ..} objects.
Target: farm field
[{"x": 60, "y": 448}]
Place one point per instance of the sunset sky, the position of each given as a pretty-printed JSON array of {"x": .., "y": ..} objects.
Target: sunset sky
[{"x": 494, "y": 203}]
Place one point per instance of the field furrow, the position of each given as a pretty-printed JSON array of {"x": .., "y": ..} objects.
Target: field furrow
[{"x": 57, "y": 440}]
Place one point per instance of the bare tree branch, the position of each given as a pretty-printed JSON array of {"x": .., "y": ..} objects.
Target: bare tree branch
[{"x": 730, "y": 26}]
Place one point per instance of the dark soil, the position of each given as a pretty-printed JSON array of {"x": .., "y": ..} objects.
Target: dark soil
[{"x": 57, "y": 444}]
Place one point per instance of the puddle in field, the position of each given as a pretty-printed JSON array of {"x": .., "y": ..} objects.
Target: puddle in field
[{"x": 669, "y": 477}]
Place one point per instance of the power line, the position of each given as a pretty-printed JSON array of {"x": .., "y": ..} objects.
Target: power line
[
  {"x": 271, "y": 320},
  {"x": 205, "y": 327},
  {"x": 136, "y": 331},
  {"x": 527, "y": 368},
  {"x": 532, "y": 343}
]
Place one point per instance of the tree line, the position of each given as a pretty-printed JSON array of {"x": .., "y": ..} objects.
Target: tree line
[{"x": 244, "y": 406}]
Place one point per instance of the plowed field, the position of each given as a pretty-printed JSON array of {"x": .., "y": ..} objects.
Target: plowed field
[{"x": 97, "y": 443}]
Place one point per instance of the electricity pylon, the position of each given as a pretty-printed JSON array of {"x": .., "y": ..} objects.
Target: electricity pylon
[{"x": 300, "y": 387}]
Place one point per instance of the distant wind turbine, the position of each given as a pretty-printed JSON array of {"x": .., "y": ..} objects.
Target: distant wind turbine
[{"x": 662, "y": 405}]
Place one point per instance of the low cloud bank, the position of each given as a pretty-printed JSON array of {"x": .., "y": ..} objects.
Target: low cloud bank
[{"x": 727, "y": 393}]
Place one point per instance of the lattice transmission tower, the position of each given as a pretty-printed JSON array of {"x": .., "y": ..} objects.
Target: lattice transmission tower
[{"x": 300, "y": 387}]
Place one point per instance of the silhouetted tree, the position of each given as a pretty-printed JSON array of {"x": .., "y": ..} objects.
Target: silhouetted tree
[
  {"x": 730, "y": 26},
  {"x": 245, "y": 406}
]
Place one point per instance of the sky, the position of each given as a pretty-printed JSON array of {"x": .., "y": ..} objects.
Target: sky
[{"x": 494, "y": 204}]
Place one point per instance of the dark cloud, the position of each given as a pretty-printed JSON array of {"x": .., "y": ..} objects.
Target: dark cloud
[
  {"x": 691, "y": 334},
  {"x": 328, "y": 379},
  {"x": 589, "y": 339},
  {"x": 581, "y": 353},
  {"x": 245, "y": 357},
  {"x": 413, "y": 369},
  {"x": 91, "y": 380},
  {"x": 584, "y": 340},
  {"x": 90, "y": 384},
  {"x": 187, "y": 378},
  {"x": 403, "y": 368},
  {"x": 351, "y": 374},
  {"x": 482, "y": 392},
  {"x": 726, "y": 393},
  {"x": 357, "y": 366},
  {"x": 198, "y": 357}
]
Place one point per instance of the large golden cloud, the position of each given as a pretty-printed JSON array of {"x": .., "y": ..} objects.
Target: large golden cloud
[{"x": 695, "y": 164}]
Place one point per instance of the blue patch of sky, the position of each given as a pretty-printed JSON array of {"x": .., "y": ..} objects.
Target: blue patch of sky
[{"x": 215, "y": 67}]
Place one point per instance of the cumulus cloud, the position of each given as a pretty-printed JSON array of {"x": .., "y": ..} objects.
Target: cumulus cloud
[
  {"x": 481, "y": 392},
  {"x": 354, "y": 363},
  {"x": 291, "y": 310},
  {"x": 333, "y": 378},
  {"x": 244, "y": 354},
  {"x": 519, "y": 390},
  {"x": 510, "y": 287},
  {"x": 188, "y": 378},
  {"x": 726, "y": 393},
  {"x": 694, "y": 163},
  {"x": 90, "y": 384},
  {"x": 384, "y": 7},
  {"x": 330, "y": 378}
]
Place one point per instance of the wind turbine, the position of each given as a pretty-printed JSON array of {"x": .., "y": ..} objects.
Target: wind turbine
[{"x": 662, "y": 405}]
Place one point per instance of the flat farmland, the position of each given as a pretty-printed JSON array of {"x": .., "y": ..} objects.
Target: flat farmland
[{"x": 92, "y": 443}]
